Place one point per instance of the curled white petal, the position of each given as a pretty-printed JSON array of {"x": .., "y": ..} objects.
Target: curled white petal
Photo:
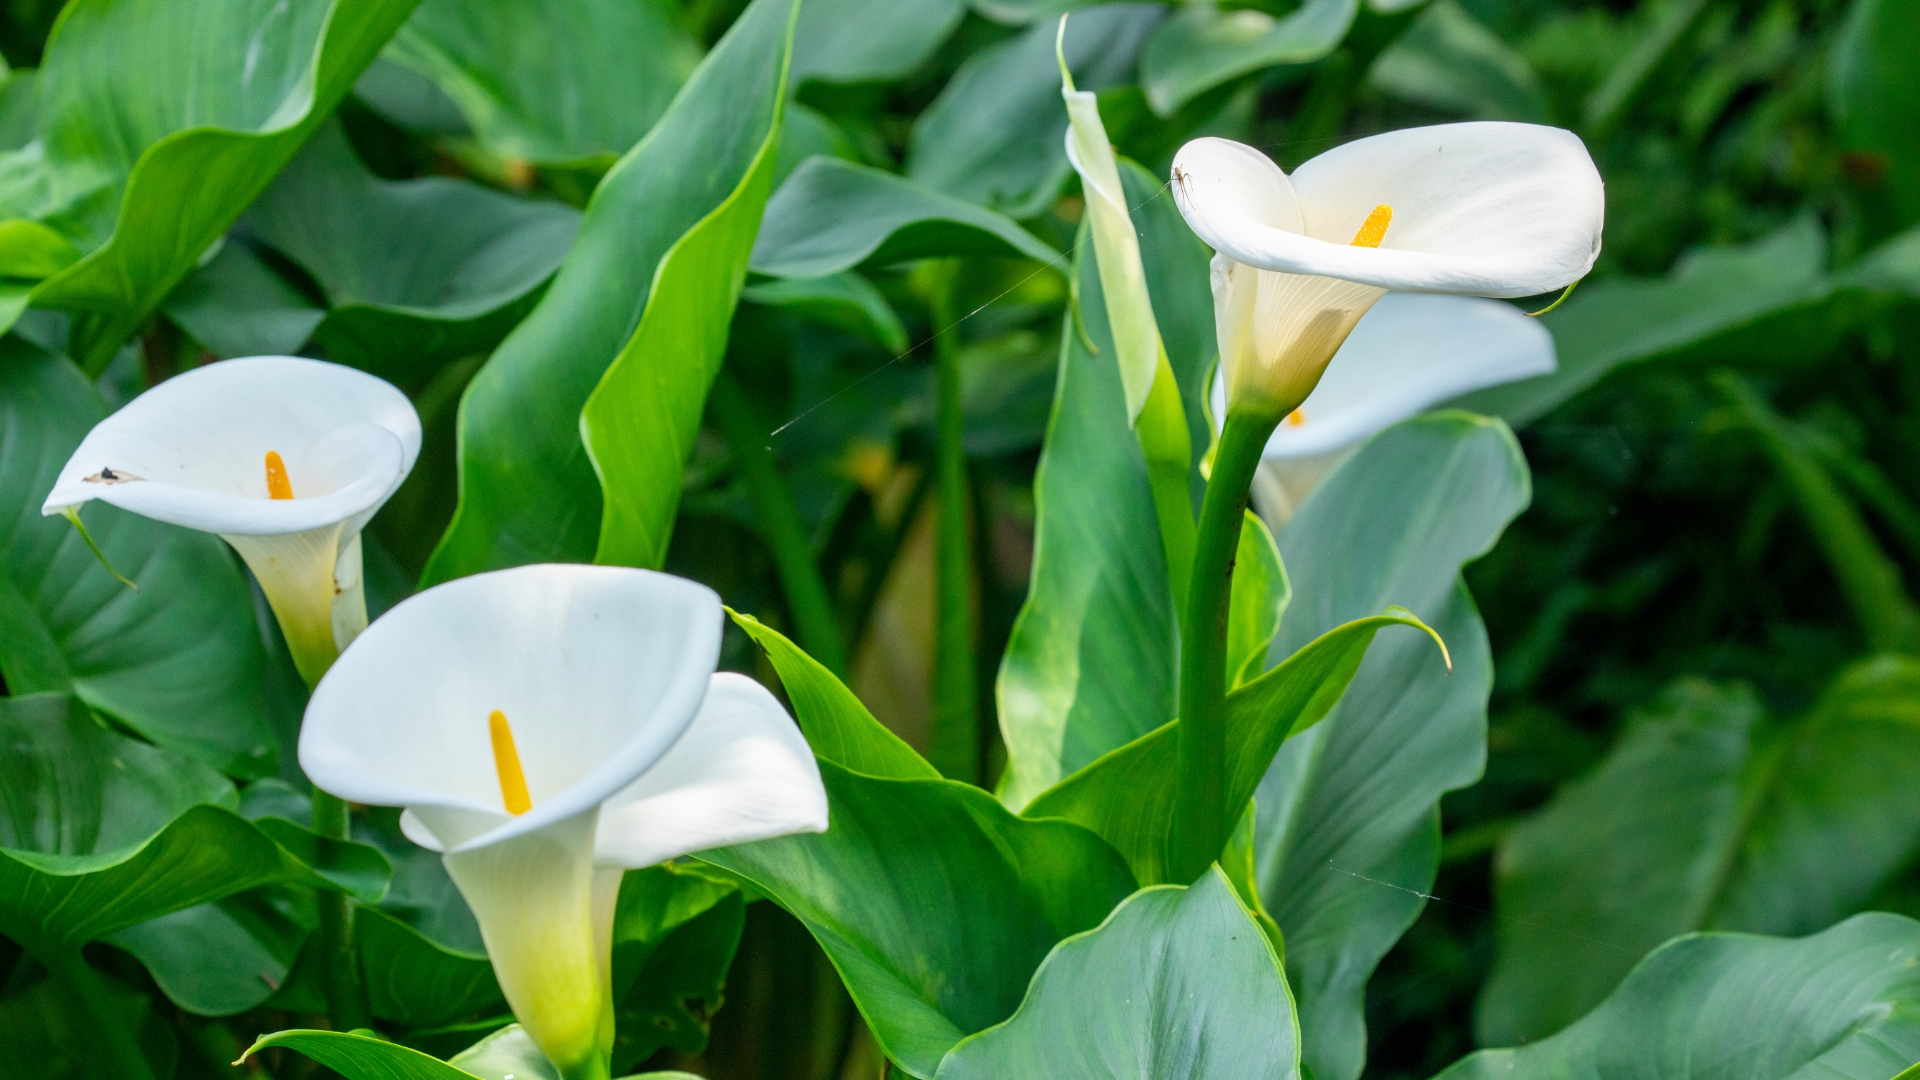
[
  {"x": 1410, "y": 353},
  {"x": 742, "y": 772},
  {"x": 1487, "y": 208},
  {"x": 192, "y": 450},
  {"x": 598, "y": 670}
]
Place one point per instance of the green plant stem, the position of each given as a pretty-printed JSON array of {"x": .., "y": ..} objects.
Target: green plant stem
[
  {"x": 118, "y": 1044},
  {"x": 806, "y": 591},
  {"x": 1168, "y": 447},
  {"x": 346, "y": 990},
  {"x": 954, "y": 744},
  {"x": 1201, "y": 817},
  {"x": 1868, "y": 578}
]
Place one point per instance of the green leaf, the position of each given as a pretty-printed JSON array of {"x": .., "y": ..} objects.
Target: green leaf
[
  {"x": 852, "y": 41},
  {"x": 46, "y": 1030},
  {"x": 146, "y": 160},
  {"x": 364, "y": 1057},
  {"x": 226, "y": 957},
  {"x": 1718, "y": 303},
  {"x": 1202, "y": 46},
  {"x": 178, "y": 661},
  {"x": 837, "y": 726},
  {"x": 641, "y": 422},
  {"x": 552, "y": 81},
  {"x": 1261, "y": 715},
  {"x": 508, "y": 1054},
  {"x": 237, "y": 306},
  {"x": 1872, "y": 90},
  {"x": 1449, "y": 60},
  {"x": 934, "y": 902},
  {"x": 101, "y": 832},
  {"x": 527, "y": 490},
  {"x": 845, "y": 301},
  {"x": 1259, "y": 599},
  {"x": 475, "y": 258},
  {"x": 833, "y": 215},
  {"x": 1844, "y": 1003},
  {"x": 1090, "y": 664},
  {"x": 1356, "y": 797},
  {"x": 674, "y": 937},
  {"x": 417, "y": 982},
  {"x": 992, "y": 137},
  {"x": 1178, "y": 982},
  {"x": 1706, "y": 815}
]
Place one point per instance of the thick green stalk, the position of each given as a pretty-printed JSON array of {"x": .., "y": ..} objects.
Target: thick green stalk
[
  {"x": 1868, "y": 578},
  {"x": 346, "y": 990},
  {"x": 115, "y": 1042},
  {"x": 806, "y": 591},
  {"x": 1201, "y": 817},
  {"x": 954, "y": 746},
  {"x": 1168, "y": 446}
]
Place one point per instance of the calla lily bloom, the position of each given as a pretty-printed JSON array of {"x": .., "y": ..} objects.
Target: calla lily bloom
[
  {"x": 547, "y": 728},
  {"x": 1480, "y": 209},
  {"x": 1410, "y": 353},
  {"x": 285, "y": 458}
]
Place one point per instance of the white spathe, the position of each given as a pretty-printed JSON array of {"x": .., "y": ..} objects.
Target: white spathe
[
  {"x": 192, "y": 452},
  {"x": 1136, "y": 336},
  {"x": 634, "y": 752},
  {"x": 1409, "y": 353},
  {"x": 1481, "y": 209}
]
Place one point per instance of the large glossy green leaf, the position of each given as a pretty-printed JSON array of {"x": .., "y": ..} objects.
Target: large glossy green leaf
[
  {"x": 1178, "y": 982},
  {"x": 179, "y": 660},
  {"x": 1203, "y": 45},
  {"x": 1873, "y": 90},
  {"x": 417, "y": 982},
  {"x": 46, "y": 1030},
  {"x": 838, "y": 727},
  {"x": 160, "y": 122},
  {"x": 101, "y": 832},
  {"x": 415, "y": 272},
  {"x": 993, "y": 136},
  {"x": 845, "y": 301},
  {"x": 552, "y": 80},
  {"x": 1843, "y": 1004},
  {"x": 674, "y": 936},
  {"x": 1258, "y": 599},
  {"x": 833, "y": 215},
  {"x": 1348, "y": 824},
  {"x": 847, "y": 41},
  {"x": 1706, "y": 815},
  {"x": 237, "y": 305},
  {"x": 225, "y": 957},
  {"x": 1090, "y": 665},
  {"x": 933, "y": 901},
  {"x": 527, "y": 490},
  {"x": 641, "y": 422},
  {"x": 1282, "y": 703},
  {"x": 507, "y": 1054}
]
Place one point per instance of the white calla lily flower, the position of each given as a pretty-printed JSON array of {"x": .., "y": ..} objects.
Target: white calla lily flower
[
  {"x": 545, "y": 729},
  {"x": 1480, "y": 209},
  {"x": 285, "y": 458},
  {"x": 1410, "y": 353}
]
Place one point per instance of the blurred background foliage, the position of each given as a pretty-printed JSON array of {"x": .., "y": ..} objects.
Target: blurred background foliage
[{"x": 1726, "y": 473}]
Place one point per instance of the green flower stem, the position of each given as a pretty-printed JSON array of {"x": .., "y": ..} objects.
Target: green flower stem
[
  {"x": 346, "y": 990},
  {"x": 118, "y": 1044},
  {"x": 1168, "y": 446},
  {"x": 954, "y": 746},
  {"x": 1201, "y": 817},
  {"x": 806, "y": 591}
]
